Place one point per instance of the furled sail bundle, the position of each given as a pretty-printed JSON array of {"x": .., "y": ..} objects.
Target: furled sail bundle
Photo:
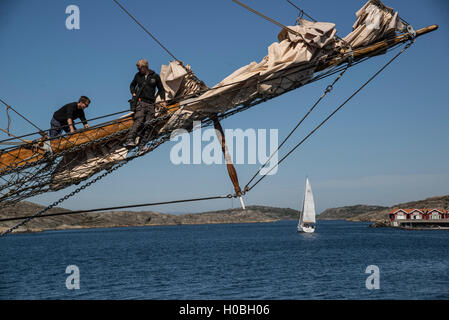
[
  {"x": 290, "y": 63},
  {"x": 375, "y": 21}
]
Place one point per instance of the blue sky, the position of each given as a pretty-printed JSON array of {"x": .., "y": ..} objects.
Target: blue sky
[{"x": 388, "y": 145}]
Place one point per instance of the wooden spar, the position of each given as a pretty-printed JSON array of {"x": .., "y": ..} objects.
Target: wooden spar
[
  {"x": 376, "y": 47},
  {"x": 231, "y": 169},
  {"x": 30, "y": 153}
]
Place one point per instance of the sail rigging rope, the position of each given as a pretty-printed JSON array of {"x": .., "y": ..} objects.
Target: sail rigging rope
[
  {"x": 328, "y": 89},
  {"x": 144, "y": 29},
  {"x": 249, "y": 188},
  {"x": 120, "y": 207},
  {"x": 19, "y": 114}
]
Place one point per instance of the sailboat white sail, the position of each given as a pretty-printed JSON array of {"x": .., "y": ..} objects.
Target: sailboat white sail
[{"x": 307, "y": 215}]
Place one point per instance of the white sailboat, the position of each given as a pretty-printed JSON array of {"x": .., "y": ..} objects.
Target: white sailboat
[{"x": 307, "y": 215}]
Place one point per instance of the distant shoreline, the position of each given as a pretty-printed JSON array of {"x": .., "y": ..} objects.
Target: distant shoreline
[
  {"x": 65, "y": 228},
  {"x": 253, "y": 214},
  {"x": 376, "y": 215}
]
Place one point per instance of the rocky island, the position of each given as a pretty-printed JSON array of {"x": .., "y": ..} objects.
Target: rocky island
[{"x": 138, "y": 218}]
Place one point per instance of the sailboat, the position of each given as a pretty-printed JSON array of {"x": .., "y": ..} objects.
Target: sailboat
[{"x": 307, "y": 215}]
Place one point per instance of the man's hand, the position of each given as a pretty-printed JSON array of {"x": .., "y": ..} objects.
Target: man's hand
[{"x": 86, "y": 125}]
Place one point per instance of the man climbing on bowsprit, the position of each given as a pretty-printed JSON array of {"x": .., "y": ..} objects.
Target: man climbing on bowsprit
[
  {"x": 143, "y": 89},
  {"x": 64, "y": 118}
]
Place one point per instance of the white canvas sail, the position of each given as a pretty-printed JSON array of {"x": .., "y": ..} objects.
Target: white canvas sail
[{"x": 308, "y": 210}]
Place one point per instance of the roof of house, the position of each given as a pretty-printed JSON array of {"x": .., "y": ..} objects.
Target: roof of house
[{"x": 425, "y": 211}]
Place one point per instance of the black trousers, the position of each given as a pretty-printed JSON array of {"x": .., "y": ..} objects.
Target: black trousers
[{"x": 142, "y": 126}]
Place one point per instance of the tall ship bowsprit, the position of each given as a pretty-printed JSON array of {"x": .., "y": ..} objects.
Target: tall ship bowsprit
[{"x": 304, "y": 53}]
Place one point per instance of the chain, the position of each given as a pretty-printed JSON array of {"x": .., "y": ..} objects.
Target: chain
[
  {"x": 25, "y": 179},
  {"x": 76, "y": 191}
]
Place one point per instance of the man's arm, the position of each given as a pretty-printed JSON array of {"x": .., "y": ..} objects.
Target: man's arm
[
  {"x": 71, "y": 125},
  {"x": 160, "y": 88},
  {"x": 83, "y": 120},
  {"x": 133, "y": 85}
]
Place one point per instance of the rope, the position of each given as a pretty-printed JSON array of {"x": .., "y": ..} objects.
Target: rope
[
  {"x": 249, "y": 188},
  {"x": 272, "y": 21},
  {"x": 9, "y": 119},
  {"x": 119, "y": 207},
  {"x": 14, "y": 137},
  {"x": 23, "y": 117},
  {"x": 328, "y": 89},
  {"x": 54, "y": 204},
  {"x": 301, "y": 11},
  {"x": 144, "y": 29}
]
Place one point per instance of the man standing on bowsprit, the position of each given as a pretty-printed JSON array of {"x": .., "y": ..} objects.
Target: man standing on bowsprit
[{"x": 143, "y": 88}]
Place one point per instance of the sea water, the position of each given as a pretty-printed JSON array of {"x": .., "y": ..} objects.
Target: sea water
[{"x": 342, "y": 260}]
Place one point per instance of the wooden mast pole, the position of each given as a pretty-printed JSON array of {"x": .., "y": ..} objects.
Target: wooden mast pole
[{"x": 230, "y": 166}]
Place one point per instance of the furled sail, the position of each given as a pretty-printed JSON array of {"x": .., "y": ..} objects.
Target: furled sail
[
  {"x": 290, "y": 63},
  {"x": 375, "y": 21}
]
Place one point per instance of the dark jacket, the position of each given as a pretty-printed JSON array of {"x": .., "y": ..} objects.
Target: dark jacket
[
  {"x": 69, "y": 111},
  {"x": 149, "y": 91}
]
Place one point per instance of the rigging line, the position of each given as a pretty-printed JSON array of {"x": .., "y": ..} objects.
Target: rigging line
[
  {"x": 326, "y": 91},
  {"x": 9, "y": 107},
  {"x": 272, "y": 21},
  {"x": 302, "y": 11},
  {"x": 144, "y": 29},
  {"x": 120, "y": 207},
  {"x": 308, "y": 16},
  {"x": 247, "y": 188},
  {"x": 79, "y": 189},
  {"x": 9, "y": 120},
  {"x": 14, "y": 137}
]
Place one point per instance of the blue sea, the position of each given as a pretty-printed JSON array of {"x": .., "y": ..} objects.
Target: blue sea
[{"x": 227, "y": 261}]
